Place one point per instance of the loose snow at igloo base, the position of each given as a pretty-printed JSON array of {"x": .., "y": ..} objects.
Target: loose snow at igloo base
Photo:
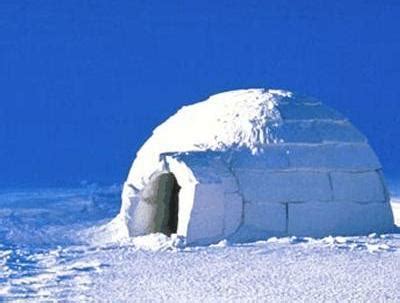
[
  {"x": 49, "y": 259},
  {"x": 256, "y": 163}
]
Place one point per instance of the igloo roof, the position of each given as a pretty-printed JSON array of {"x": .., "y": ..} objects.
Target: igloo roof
[
  {"x": 241, "y": 118},
  {"x": 244, "y": 119}
]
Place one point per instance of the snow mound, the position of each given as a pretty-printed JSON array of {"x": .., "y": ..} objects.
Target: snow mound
[{"x": 248, "y": 164}]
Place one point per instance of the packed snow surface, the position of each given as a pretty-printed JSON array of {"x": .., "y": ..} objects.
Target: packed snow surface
[{"x": 47, "y": 254}]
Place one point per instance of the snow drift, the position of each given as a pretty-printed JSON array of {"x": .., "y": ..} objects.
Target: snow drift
[{"x": 249, "y": 164}]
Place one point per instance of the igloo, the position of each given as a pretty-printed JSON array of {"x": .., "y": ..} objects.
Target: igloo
[{"x": 250, "y": 164}]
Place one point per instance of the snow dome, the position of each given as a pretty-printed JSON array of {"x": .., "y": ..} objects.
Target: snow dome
[{"x": 249, "y": 164}]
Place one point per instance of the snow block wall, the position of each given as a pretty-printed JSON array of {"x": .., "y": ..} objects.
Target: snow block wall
[{"x": 257, "y": 163}]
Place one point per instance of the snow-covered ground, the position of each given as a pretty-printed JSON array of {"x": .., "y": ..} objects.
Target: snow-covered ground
[{"x": 47, "y": 254}]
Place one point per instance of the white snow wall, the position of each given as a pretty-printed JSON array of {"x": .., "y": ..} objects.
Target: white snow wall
[
  {"x": 288, "y": 189},
  {"x": 329, "y": 189}
]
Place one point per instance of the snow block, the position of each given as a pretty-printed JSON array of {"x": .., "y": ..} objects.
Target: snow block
[
  {"x": 271, "y": 157},
  {"x": 293, "y": 186},
  {"x": 317, "y": 219},
  {"x": 207, "y": 216},
  {"x": 199, "y": 159},
  {"x": 337, "y": 131},
  {"x": 315, "y": 131},
  {"x": 265, "y": 217},
  {"x": 207, "y": 167},
  {"x": 300, "y": 111},
  {"x": 354, "y": 157},
  {"x": 229, "y": 184},
  {"x": 233, "y": 211},
  {"x": 358, "y": 187},
  {"x": 296, "y": 132}
]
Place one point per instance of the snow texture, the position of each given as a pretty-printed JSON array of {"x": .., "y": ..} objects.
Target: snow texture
[
  {"x": 256, "y": 162},
  {"x": 53, "y": 257}
]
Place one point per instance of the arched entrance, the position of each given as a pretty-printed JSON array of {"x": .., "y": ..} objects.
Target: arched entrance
[{"x": 162, "y": 195}]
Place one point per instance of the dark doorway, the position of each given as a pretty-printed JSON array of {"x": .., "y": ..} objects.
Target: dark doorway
[{"x": 162, "y": 193}]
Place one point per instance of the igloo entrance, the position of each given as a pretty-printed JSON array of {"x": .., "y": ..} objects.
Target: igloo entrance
[{"x": 162, "y": 195}]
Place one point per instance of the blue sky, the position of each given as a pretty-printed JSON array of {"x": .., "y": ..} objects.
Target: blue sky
[{"x": 83, "y": 83}]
